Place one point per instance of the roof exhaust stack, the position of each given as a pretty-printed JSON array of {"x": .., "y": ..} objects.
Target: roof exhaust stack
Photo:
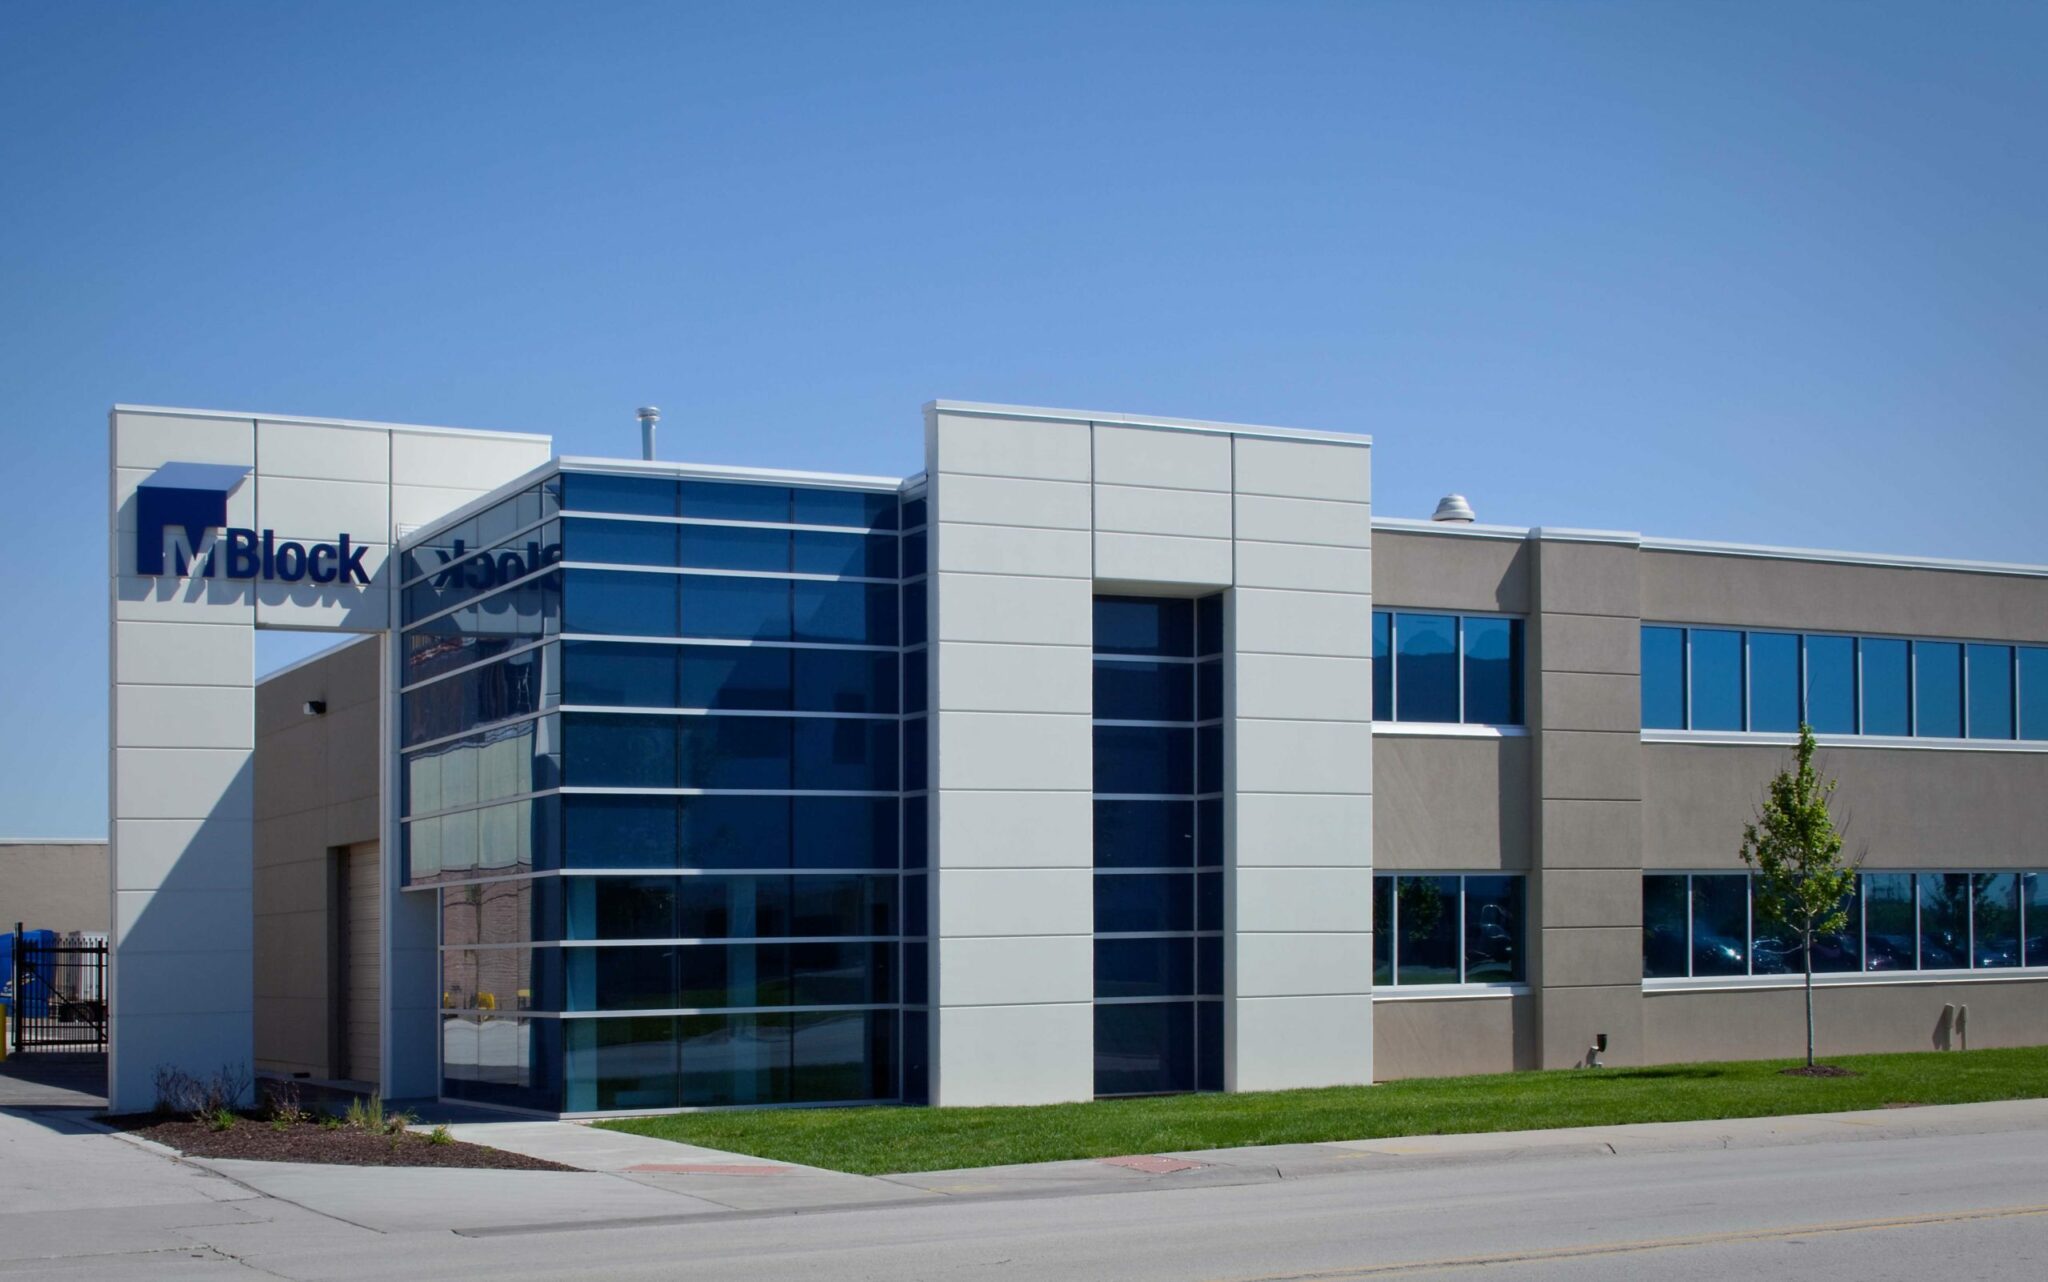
[
  {"x": 649, "y": 415},
  {"x": 1452, "y": 509}
]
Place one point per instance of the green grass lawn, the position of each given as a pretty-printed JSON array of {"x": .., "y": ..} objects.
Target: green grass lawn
[{"x": 880, "y": 1141}]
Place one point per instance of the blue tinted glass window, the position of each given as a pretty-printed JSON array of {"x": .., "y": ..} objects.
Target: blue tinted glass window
[
  {"x": 755, "y": 677},
  {"x": 1773, "y": 681},
  {"x": 870, "y": 556},
  {"x": 1720, "y": 925},
  {"x": 1842, "y": 950},
  {"x": 860, "y": 613},
  {"x": 843, "y": 832},
  {"x": 1938, "y": 689},
  {"x": 1887, "y": 686},
  {"x": 1128, "y": 902},
  {"x": 1144, "y": 625},
  {"x": 731, "y": 501},
  {"x": 845, "y": 681},
  {"x": 1990, "y": 670},
  {"x": 1144, "y": 834},
  {"x": 1664, "y": 918},
  {"x": 1144, "y": 759},
  {"x": 620, "y": 602},
  {"x": 2034, "y": 890},
  {"x": 916, "y": 973},
  {"x": 1944, "y": 920},
  {"x": 844, "y": 905},
  {"x": 619, "y": 907},
  {"x": 1144, "y": 967},
  {"x": 916, "y": 752},
  {"x": 1426, "y": 923},
  {"x": 1890, "y": 929},
  {"x": 1831, "y": 684},
  {"x": 2033, "y": 693},
  {"x": 1995, "y": 919},
  {"x": 600, "y": 751},
  {"x": 733, "y": 547},
  {"x": 1382, "y": 665},
  {"x": 739, "y": 608},
  {"x": 1139, "y": 691},
  {"x": 1209, "y": 625},
  {"x": 863, "y": 509},
  {"x": 734, "y": 832},
  {"x": 914, "y": 621},
  {"x": 633, "y": 495},
  {"x": 1209, "y": 901},
  {"x": 1716, "y": 662},
  {"x": 618, "y": 674},
  {"x": 1426, "y": 667},
  {"x": 1144, "y": 1048},
  {"x": 734, "y": 752},
  {"x": 914, "y": 512},
  {"x": 1493, "y": 930},
  {"x": 1382, "y": 930},
  {"x": 1663, "y": 678},
  {"x": 734, "y": 1059},
  {"x": 497, "y": 691},
  {"x": 916, "y": 834},
  {"x": 618, "y": 832},
  {"x": 1209, "y": 832},
  {"x": 491, "y": 625},
  {"x": 1493, "y": 671},
  {"x": 731, "y": 908},
  {"x": 1209, "y": 690},
  {"x": 916, "y": 683},
  {"x": 620, "y": 542},
  {"x": 843, "y": 753},
  {"x": 916, "y": 554},
  {"x": 1209, "y": 759},
  {"x": 620, "y": 1063}
]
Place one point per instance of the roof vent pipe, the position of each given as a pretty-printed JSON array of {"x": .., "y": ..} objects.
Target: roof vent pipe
[
  {"x": 649, "y": 415},
  {"x": 1452, "y": 509}
]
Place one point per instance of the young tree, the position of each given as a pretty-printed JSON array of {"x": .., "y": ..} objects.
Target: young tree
[{"x": 1802, "y": 882}]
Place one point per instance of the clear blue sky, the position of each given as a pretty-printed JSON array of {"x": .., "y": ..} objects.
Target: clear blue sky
[{"x": 1766, "y": 272}]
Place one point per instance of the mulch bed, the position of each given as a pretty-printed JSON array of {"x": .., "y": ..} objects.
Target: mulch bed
[
  {"x": 1819, "y": 1070},
  {"x": 254, "y": 1139}
]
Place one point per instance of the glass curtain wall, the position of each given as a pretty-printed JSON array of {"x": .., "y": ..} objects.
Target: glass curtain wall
[
  {"x": 658, "y": 780},
  {"x": 1158, "y": 845}
]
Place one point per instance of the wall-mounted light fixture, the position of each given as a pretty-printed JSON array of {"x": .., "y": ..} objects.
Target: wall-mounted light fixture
[{"x": 316, "y": 707}]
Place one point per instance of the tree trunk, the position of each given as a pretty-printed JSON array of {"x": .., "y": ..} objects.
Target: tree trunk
[{"x": 1809, "y": 994}]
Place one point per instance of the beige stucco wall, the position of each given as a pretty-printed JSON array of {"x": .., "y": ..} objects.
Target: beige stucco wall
[
  {"x": 54, "y": 885},
  {"x": 1849, "y": 1019},
  {"x": 316, "y": 793},
  {"x": 1688, "y": 587},
  {"x": 1450, "y": 572},
  {"x": 1460, "y": 805},
  {"x": 1454, "y": 1037}
]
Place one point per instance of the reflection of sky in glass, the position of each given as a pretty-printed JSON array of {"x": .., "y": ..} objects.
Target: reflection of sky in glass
[
  {"x": 1493, "y": 674},
  {"x": 2033, "y": 665},
  {"x": 1716, "y": 679},
  {"x": 1773, "y": 681},
  {"x": 1426, "y": 677},
  {"x": 1664, "y": 678},
  {"x": 1885, "y": 687},
  {"x": 1990, "y": 692},
  {"x": 1382, "y": 666},
  {"x": 1938, "y": 689},
  {"x": 1831, "y": 684}
]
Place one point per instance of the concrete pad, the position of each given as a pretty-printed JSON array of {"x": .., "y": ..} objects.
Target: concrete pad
[
  {"x": 41, "y": 1235},
  {"x": 399, "y": 1199},
  {"x": 801, "y": 1189},
  {"x": 591, "y": 1148}
]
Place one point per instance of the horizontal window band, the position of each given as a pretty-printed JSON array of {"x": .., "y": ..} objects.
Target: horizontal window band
[
  {"x": 447, "y": 1013},
  {"x": 1141, "y": 724},
  {"x": 499, "y": 543},
  {"x": 563, "y": 945},
  {"x": 1154, "y": 934},
  {"x": 793, "y": 576},
  {"x": 408, "y": 625},
  {"x": 483, "y": 727},
  {"x": 640, "y": 710},
  {"x": 709, "y": 522},
  {"x": 524, "y": 648},
  {"x": 541, "y": 873},
  {"x": 612, "y": 638},
  {"x": 1844, "y": 979},
  {"x": 1780, "y": 739},
  {"x": 1157, "y": 1001},
  {"x": 1448, "y": 730},
  {"x": 593, "y": 790},
  {"x": 1445, "y": 992},
  {"x": 1103, "y": 656},
  {"x": 1158, "y": 870}
]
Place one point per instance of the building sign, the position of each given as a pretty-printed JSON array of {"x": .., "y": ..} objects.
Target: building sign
[{"x": 181, "y": 529}]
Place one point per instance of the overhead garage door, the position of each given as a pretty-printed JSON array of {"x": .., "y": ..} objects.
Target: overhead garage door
[{"x": 361, "y": 942}]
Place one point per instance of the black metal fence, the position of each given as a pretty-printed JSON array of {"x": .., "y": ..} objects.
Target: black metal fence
[{"x": 57, "y": 990}]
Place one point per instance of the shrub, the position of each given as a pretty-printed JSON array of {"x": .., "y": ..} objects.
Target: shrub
[
  {"x": 178, "y": 1091},
  {"x": 281, "y": 1104},
  {"x": 439, "y": 1135},
  {"x": 365, "y": 1114},
  {"x": 219, "y": 1119}
]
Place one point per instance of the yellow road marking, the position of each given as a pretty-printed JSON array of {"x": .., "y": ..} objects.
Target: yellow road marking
[{"x": 1642, "y": 1244}]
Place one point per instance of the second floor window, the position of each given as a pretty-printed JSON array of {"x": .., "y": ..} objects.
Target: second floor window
[{"x": 1446, "y": 668}]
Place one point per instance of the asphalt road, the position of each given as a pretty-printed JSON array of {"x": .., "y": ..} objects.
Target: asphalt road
[{"x": 1947, "y": 1207}]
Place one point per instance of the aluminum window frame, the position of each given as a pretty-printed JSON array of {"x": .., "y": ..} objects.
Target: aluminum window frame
[{"x": 1457, "y": 617}]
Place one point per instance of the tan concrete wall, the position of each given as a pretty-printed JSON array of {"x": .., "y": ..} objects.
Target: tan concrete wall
[
  {"x": 1898, "y": 808},
  {"x": 1687, "y": 587},
  {"x": 1450, "y": 572},
  {"x": 1454, "y": 804},
  {"x": 1848, "y": 1020},
  {"x": 1454, "y": 1037},
  {"x": 316, "y": 792},
  {"x": 54, "y": 885}
]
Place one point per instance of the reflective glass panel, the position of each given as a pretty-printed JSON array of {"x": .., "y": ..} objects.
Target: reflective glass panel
[
  {"x": 863, "y": 509},
  {"x": 1144, "y": 834},
  {"x": 1775, "y": 948},
  {"x": 1774, "y": 681},
  {"x": 734, "y": 752},
  {"x": 1995, "y": 919},
  {"x": 1663, "y": 678},
  {"x": 600, "y": 751},
  {"x": 1887, "y": 686},
  {"x": 1716, "y": 666},
  {"x": 733, "y": 908},
  {"x": 1129, "y": 902},
  {"x": 1990, "y": 670},
  {"x": 619, "y": 602},
  {"x": 1720, "y": 924},
  {"x": 755, "y": 677},
  {"x": 843, "y": 832},
  {"x": 741, "y": 609},
  {"x": 1664, "y": 916},
  {"x": 1382, "y": 665},
  {"x": 1144, "y": 625},
  {"x": 492, "y": 1059},
  {"x": 1209, "y": 625},
  {"x": 1127, "y": 690},
  {"x": 1145, "y": 967},
  {"x": 731, "y": 501},
  {"x": 2034, "y": 889},
  {"x": 1493, "y": 930},
  {"x": 1831, "y": 684},
  {"x": 619, "y": 542},
  {"x": 1144, "y": 1048},
  {"x": 733, "y": 832},
  {"x": 1937, "y": 689},
  {"x": 734, "y": 1059},
  {"x": 859, "y": 613},
  {"x": 618, "y": 674},
  {"x": 1426, "y": 667},
  {"x": 1842, "y": 950},
  {"x": 633, "y": 495},
  {"x": 638, "y": 977},
  {"x": 835, "y": 754},
  {"x": 2033, "y": 693},
  {"x": 1144, "y": 759},
  {"x": 845, "y": 681},
  {"x": 1493, "y": 671},
  {"x": 621, "y": 907},
  {"x": 620, "y": 1063},
  {"x": 1889, "y": 927},
  {"x": 1944, "y": 920},
  {"x": 1426, "y": 918},
  {"x": 852, "y": 555},
  {"x": 733, "y": 547},
  {"x": 1382, "y": 930},
  {"x": 618, "y": 832},
  {"x": 843, "y": 1055}
]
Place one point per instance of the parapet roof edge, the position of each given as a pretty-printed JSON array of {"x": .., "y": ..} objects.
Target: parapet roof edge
[
  {"x": 324, "y": 652},
  {"x": 728, "y": 472},
  {"x": 976, "y": 409},
  {"x": 1707, "y": 547},
  {"x": 363, "y": 423},
  {"x": 53, "y": 841}
]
